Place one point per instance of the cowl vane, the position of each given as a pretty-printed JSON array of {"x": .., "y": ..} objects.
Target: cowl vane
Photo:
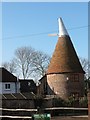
[{"x": 62, "y": 29}]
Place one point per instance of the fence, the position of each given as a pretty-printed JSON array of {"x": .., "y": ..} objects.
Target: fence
[
  {"x": 17, "y": 114},
  {"x": 66, "y": 111},
  {"x": 26, "y": 114}
]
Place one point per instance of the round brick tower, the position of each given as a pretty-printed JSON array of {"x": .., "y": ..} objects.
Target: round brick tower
[{"x": 65, "y": 76}]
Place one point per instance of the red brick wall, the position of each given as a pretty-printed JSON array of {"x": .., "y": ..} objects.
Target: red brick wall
[{"x": 63, "y": 87}]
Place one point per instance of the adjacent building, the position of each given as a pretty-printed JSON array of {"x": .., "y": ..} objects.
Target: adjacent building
[
  {"x": 8, "y": 82},
  {"x": 11, "y": 84},
  {"x": 27, "y": 85}
]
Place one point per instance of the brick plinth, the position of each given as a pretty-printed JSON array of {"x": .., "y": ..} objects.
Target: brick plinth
[{"x": 64, "y": 86}]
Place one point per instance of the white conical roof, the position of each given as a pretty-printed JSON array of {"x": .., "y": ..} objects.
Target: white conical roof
[{"x": 62, "y": 29}]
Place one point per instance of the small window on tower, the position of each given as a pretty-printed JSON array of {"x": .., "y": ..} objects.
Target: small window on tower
[{"x": 74, "y": 78}]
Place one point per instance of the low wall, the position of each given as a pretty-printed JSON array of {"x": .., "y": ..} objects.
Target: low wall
[{"x": 23, "y": 103}]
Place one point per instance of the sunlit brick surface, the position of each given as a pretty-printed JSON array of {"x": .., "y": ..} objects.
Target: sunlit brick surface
[{"x": 59, "y": 84}]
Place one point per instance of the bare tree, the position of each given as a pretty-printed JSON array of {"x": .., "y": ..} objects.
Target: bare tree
[
  {"x": 10, "y": 66},
  {"x": 40, "y": 63},
  {"x": 23, "y": 61},
  {"x": 86, "y": 66},
  {"x": 30, "y": 62}
]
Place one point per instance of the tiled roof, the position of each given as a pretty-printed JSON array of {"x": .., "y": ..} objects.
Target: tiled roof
[
  {"x": 64, "y": 58},
  {"x": 6, "y": 76},
  {"x": 18, "y": 96}
]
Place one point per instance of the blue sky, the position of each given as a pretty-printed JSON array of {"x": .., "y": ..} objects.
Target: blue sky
[{"x": 24, "y": 23}]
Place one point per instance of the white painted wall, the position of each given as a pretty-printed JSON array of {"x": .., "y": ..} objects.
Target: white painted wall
[
  {"x": 18, "y": 86},
  {"x": 14, "y": 88}
]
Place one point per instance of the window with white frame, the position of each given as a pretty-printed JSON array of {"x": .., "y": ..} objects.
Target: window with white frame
[{"x": 7, "y": 86}]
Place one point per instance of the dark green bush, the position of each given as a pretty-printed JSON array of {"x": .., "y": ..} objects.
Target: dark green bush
[
  {"x": 83, "y": 102},
  {"x": 72, "y": 101}
]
